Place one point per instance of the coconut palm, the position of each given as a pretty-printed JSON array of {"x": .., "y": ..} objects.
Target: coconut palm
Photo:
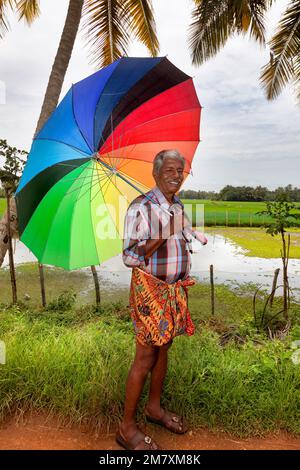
[
  {"x": 108, "y": 25},
  {"x": 215, "y": 21},
  {"x": 284, "y": 65}
]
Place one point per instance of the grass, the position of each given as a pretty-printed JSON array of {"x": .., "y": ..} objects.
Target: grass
[
  {"x": 74, "y": 363},
  {"x": 57, "y": 280},
  {"x": 229, "y": 213},
  {"x": 257, "y": 242}
]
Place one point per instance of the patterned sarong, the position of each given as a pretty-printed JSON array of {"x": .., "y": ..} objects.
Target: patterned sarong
[{"x": 159, "y": 310}]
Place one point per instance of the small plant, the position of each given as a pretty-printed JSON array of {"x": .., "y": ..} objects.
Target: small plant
[
  {"x": 65, "y": 301},
  {"x": 281, "y": 213},
  {"x": 265, "y": 320}
]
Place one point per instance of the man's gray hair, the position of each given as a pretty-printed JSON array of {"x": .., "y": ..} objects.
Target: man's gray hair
[{"x": 161, "y": 156}]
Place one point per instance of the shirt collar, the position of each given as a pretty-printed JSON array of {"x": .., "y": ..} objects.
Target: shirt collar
[{"x": 162, "y": 199}]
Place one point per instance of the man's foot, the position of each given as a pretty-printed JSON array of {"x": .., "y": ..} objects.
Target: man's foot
[
  {"x": 134, "y": 439},
  {"x": 167, "y": 419}
]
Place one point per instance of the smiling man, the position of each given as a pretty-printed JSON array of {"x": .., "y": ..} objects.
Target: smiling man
[{"x": 156, "y": 247}]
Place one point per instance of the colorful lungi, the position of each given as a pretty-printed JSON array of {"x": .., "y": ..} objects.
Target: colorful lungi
[{"x": 159, "y": 310}]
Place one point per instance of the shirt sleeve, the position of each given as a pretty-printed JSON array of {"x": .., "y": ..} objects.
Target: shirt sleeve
[{"x": 136, "y": 234}]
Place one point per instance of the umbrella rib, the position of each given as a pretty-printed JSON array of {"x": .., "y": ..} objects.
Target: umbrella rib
[
  {"x": 131, "y": 178},
  {"x": 72, "y": 166},
  {"x": 76, "y": 189},
  {"x": 77, "y": 124},
  {"x": 81, "y": 186},
  {"x": 159, "y": 118},
  {"x": 100, "y": 186},
  {"x": 75, "y": 179},
  {"x": 49, "y": 139}
]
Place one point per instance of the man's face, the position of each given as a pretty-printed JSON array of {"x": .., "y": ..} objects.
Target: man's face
[{"x": 170, "y": 176}]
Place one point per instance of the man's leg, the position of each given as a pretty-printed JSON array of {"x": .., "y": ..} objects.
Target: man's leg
[
  {"x": 172, "y": 421},
  {"x": 145, "y": 358},
  {"x": 158, "y": 374}
]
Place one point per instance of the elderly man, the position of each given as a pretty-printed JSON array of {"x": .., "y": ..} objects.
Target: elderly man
[{"x": 156, "y": 246}]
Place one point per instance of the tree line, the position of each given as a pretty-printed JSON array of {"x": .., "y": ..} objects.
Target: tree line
[{"x": 245, "y": 193}]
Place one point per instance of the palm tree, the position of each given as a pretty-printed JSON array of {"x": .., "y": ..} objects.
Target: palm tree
[
  {"x": 215, "y": 21},
  {"x": 284, "y": 65},
  {"x": 109, "y": 24}
]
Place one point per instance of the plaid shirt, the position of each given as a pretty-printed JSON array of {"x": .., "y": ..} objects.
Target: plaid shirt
[{"x": 145, "y": 220}]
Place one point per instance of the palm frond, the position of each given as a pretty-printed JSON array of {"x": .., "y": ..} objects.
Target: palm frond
[
  {"x": 142, "y": 23},
  {"x": 297, "y": 77},
  {"x": 285, "y": 47},
  {"x": 106, "y": 26},
  {"x": 4, "y": 25},
  {"x": 214, "y": 21},
  {"x": 210, "y": 29},
  {"x": 28, "y": 9}
]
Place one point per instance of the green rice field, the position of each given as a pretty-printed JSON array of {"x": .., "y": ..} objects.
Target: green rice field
[{"x": 226, "y": 213}]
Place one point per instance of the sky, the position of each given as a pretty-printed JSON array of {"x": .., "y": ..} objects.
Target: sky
[{"x": 245, "y": 139}]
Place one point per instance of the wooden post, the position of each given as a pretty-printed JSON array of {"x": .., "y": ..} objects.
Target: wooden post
[
  {"x": 97, "y": 287},
  {"x": 10, "y": 251},
  {"x": 239, "y": 222},
  {"x": 212, "y": 289},
  {"x": 42, "y": 283},
  {"x": 276, "y": 272}
]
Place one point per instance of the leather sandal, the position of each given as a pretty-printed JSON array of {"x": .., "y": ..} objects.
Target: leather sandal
[
  {"x": 174, "y": 424},
  {"x": 136, "y": 441}
]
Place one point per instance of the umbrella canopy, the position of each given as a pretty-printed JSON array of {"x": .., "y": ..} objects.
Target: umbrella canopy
[{"x": 94, "y": 156}]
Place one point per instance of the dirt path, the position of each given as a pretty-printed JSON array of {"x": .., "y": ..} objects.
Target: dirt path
[{"x": 35, "y": 432}]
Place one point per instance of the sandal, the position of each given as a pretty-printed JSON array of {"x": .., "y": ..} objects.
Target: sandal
[
  {"x": 135, "y": 442},
  {"x": 174, "y": 424}
]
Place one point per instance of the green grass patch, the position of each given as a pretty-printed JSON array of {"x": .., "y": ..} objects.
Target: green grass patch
[
  {"x": 230, "y": 213},
  {"x": 74, "y": 362},
  {"x": 257, "y": 242},
  {"x": 57, "y": 280}
]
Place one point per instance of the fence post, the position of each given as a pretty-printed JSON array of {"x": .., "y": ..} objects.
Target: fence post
[
  {"x": 212, "y": 289},
  {"x": 96, "y": 282},
  {"x": 274, "y": 286},
  {"x": 239, "y": 222},
  {"x": 42, "y": 283}
]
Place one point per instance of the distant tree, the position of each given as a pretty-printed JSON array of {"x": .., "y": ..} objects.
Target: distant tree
[{"x": 260, "y": 193}]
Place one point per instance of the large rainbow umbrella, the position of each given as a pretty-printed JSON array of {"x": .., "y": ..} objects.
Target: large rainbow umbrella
[{"x": 94, "y": 156}]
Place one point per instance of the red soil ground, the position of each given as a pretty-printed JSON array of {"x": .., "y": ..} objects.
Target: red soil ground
[{"x": 36, "y": 432}]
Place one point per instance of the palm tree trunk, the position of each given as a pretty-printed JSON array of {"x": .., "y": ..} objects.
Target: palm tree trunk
[
  {"x": 52, "y": 94},
  {"x": 4, "y": 231},
  {"x": 97, "y": 286},
  {"x": 10, "y": 251},
  {"x": 56, "y": 80},
  {"x": 61, "y": 61}
]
